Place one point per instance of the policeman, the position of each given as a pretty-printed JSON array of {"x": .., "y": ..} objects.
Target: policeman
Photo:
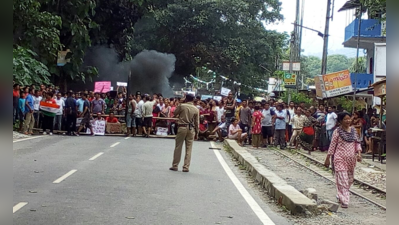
[{"x": 188, "y": 128}]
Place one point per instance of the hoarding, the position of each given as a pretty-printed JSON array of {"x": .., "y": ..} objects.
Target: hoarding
[
  {"x": 290, "y": 79},
  {"x": 337, "y": 83}
]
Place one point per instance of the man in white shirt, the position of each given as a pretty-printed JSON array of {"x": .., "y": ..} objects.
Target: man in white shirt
[
  {"x": 267, "y": 125},
  {"x": 291, "y": 111},
  {"x": 147, "y": 109},
  {"x": 331, "y": 122},
  {"x": 36, "y": 105},
  {"x": 60, "y": 112},
  {"x": 297, "y": 120},
  {"x": 139, "y": 112}
]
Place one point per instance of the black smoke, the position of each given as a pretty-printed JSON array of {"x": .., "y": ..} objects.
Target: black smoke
[{"x": 150, "y": 70}]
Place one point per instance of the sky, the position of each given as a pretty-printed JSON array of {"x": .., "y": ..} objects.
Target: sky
[{"x": 314, "y": 17}]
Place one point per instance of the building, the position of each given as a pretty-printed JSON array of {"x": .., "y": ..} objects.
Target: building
[{"x": 372, "y": 41}]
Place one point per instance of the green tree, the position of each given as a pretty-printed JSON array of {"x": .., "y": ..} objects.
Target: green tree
[
  {"x": 28, "y": 70},
  {"x": 227, "y": 37}
]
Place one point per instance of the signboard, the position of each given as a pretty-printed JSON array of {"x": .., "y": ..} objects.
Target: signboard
[
  {"x": 121, "y": 84},
  {"x": 290, "y": 79},
  {"x": 296, "y": 66},
  {"x": 205, "y": 97},
  {"x": 337, "y": 83},
  {"x": 380, "y": 89},
  {"x": 98, "y": 127},
  {"x": 225, "y": 91},
  {"x": 102, "y": 86}
]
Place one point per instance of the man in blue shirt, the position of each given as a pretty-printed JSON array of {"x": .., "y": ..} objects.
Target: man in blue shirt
[
  {"x": 71, "y": 113},
  {"x": 29, "y": 109},
  {"x": 280, "y": 126}
]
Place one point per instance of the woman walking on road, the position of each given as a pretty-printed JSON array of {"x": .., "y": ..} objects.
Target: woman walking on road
[{"x": 344, "y": 150}]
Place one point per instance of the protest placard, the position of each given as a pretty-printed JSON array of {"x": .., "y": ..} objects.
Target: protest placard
[
  {"x": 121, "y": 84},
  {"x": 102, "y": 86},
  {"x": 225, "y": 91}
]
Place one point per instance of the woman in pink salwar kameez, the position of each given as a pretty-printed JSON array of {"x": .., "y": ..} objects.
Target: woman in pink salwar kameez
[{"x": 344, "y": 151}]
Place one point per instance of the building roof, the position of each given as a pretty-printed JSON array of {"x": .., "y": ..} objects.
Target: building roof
[{"x": 350, "y": 4}]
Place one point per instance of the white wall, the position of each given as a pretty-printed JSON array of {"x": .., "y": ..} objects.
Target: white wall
[{"x": 380, "y": 61}]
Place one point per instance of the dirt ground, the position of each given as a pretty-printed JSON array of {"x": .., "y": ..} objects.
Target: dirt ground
[{"x": 360, "y": 211}]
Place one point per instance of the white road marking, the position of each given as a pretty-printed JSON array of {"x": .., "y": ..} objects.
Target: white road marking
[
  {"x": 127, "y": 138},
  {"x": 18, "y": 206},
  {"x": 59, "y": 180},
  {"x": 117, "y": 143},
  {"x": 244, "y": 192},
  {"x": 26, "y": 139},
  {"x": 96, "y": 156}
]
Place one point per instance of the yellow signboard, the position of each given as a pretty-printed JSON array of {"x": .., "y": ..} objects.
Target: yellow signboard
[
  {"x": 289, "y": 79},
  {"x": 337, "y": 83}
]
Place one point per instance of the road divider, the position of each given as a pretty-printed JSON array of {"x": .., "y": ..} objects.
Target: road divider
[
  {"x": 18, "y": 206},
  {"x": 117, "y": 143},
  {"x": 96, "y": 156},
  {"x": 59, "y": 180}
]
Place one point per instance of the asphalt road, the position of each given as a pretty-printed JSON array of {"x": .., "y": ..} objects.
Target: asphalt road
[{"x": 55, "y": 182}]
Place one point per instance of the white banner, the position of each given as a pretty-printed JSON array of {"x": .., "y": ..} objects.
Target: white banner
[
  {"x": 162, "y": 131},
  {"x": 121, "y": 84},
  {"x": 225, "y": 91},
  {"x": 98, "y": 127}
]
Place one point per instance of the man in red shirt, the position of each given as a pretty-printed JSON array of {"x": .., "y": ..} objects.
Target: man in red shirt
[{"x": 112, "y": 120}]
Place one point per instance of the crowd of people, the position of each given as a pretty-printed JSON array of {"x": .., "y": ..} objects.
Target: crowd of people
[{"x": 258, "y": 124}]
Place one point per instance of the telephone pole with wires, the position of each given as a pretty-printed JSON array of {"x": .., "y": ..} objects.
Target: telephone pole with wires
[{"x": 325, "y": 37}]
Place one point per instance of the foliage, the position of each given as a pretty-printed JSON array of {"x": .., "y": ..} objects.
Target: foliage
[
  {"x": 358, "y": 67},
  {"x": 227, "y": 37},
  {"x": 297, "y": 98},
  {"x": 311, "y": 65},
  {"x": 28, "y": 70},
  {"x": 36, "y": 29},
  {"x": 346, "y": 103}
]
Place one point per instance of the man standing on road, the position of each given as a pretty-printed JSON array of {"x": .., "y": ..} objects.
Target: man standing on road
[
  {"x": 188, "y": 128},
  {"x": 71, "y": 114},
  {"x": 86, "y": 116},
  {"x": 59, "y": 114},
  {"x": 147, "y": 115},
  {"x": 98, "y": 105},
  {"x": 138, "y": 113}
]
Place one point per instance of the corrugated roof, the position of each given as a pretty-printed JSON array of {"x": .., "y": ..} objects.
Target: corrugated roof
[{"x": 351, "y": 4}]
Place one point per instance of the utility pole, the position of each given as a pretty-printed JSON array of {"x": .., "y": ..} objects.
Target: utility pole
[
  {"x": 294, "y": 44},
  {"x": 300, "y": 37},
  {"x": 357, "y": 54},
  {"x": 326, "y": 34}
]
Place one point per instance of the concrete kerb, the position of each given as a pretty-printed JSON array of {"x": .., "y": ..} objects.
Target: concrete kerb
[{"x": 276, "y": 187}]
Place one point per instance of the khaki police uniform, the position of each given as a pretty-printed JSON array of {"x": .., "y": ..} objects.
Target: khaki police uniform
[{"x": 188, "y": 128}]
